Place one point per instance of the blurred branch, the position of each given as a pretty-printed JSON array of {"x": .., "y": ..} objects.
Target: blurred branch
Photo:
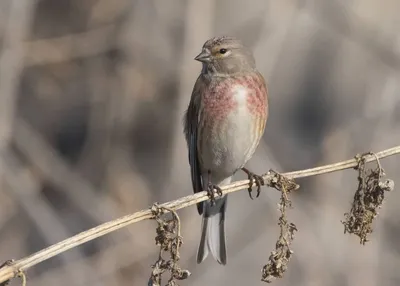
[
  {"x": 56, "y": 170},
  {"x": 66, "y": 48},
  {"x": 27, "y": 192},
  {"x": 361, "y": 32},
  {"x": 12, "y": 63},
  {"x": 49, "y": 164},
  {"x": 11, "y": 270}
]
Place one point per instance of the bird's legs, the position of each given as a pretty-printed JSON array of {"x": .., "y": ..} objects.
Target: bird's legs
[
  {"x": 258, "y": 180},
  {"x": 210, "y": 190}
]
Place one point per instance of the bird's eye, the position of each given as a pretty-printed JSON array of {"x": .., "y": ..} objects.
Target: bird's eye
[{"x": 223, "y": 51}]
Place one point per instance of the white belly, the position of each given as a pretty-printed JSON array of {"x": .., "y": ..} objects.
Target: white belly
[{"x": 230, "y": 145}]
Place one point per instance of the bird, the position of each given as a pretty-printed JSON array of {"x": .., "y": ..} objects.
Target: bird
[{"x": 223, "y": 125}]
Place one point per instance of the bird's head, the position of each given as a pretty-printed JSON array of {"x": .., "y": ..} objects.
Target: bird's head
[{"x": 225, "y": 56}]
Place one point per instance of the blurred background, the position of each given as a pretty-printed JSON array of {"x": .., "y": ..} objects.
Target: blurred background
[{"x": 92, "y": 94}]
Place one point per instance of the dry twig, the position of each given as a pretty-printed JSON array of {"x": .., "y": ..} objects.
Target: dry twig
[
  {"x": 10, "y": 271},
  {"x": 367, "y": 199},
  {"x": 170, "y": 240},
  {"x": 279, "y": 258}
]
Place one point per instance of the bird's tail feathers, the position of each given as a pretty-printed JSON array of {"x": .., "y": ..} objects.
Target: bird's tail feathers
[{"x": 213, "y": 232}]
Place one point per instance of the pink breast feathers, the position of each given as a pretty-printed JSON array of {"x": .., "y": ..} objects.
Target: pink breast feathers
[
  {"x": 225, "y": 96},
  {"x": 218, "y": 101},
  {"x": 252, "y": 90}
]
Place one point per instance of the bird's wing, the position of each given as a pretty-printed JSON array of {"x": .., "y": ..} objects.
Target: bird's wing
[{"x": 191, "y": 120}]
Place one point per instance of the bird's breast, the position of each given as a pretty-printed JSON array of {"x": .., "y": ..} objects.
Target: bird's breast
[
  {"x": 233, "y": 118},
  {"x": 236, "y": 95}
]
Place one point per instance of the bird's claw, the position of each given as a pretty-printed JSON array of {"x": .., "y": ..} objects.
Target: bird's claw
[
  {"x": 211, "y": 194},
  {"x": 258, "y": 181}
]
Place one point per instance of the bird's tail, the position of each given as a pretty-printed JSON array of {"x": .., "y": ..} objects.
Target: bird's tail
[{"x": 213, "y": 231}]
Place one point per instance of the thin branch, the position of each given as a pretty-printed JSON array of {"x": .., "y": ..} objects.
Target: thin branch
[
  {"x": 11, "y": 270},
  {"x": 47, "y": 162},
  {"x": 26, "y": 188}
]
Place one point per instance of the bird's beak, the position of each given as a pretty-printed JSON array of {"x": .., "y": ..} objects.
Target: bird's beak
[{"x": 203, "y": 57}]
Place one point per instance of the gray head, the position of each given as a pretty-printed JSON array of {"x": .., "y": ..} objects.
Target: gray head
[{"x": 225, "y": 56}]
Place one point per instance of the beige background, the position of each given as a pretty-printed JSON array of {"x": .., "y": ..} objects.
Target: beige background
[{"x": 92, "y": 94}]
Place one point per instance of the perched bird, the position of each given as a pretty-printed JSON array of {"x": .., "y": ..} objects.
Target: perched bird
[{"x": 223, "y": 126}]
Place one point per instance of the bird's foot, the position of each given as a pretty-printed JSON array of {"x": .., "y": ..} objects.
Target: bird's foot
[
  {"x": 211, "y": 193},
  {"x": 258, "y": 180}
]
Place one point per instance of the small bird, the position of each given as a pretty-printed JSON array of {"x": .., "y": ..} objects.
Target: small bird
[{"x": 223, "y": 126}]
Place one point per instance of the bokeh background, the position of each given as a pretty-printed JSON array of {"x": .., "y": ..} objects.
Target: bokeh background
[{"x": 92, "y": 94}]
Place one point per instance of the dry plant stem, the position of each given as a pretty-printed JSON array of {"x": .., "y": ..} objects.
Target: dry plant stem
[
  {"x": 23, "y": 277},
  {"x": 170, "y": 240},
  {"x": 368, "y": 199},
  {"x": 10, "y": 271},
  {"x": 280, "y": 257}
]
